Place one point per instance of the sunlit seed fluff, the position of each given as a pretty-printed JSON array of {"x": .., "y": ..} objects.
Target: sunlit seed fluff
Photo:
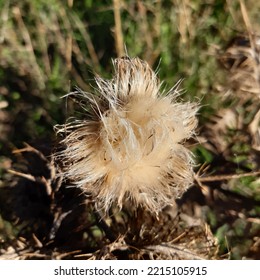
[{"x": 130, "y": 145}]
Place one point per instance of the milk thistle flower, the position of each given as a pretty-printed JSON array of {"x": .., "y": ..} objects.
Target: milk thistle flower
[{"x": 130, "y": 146}]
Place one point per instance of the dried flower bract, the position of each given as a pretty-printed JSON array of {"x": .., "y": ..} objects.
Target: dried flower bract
[{"x": 130, "y": 145}]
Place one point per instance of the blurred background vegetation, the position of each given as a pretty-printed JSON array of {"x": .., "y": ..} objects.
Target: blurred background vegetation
[{"x": 49, "y": 47}]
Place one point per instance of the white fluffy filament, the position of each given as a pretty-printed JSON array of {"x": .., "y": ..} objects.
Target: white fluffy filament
[{"x": 130, "y": 146}]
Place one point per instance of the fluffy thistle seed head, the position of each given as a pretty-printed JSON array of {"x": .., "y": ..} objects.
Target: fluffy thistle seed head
[{"x": 130, "y": 146}]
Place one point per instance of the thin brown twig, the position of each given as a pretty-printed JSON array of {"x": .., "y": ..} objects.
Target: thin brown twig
[
  {"x": 83, "y": 29},
  {"x": 32, "y": 178},
  {"x": 245, "y": 16},
  {"x": 38, "y": 243},
  {"x": 29, "y": 46},
  {"x": 254, "y": 220},
  {"x": 29, "y": 148},
  {"x": 170, "y": 250},
  {"x": 179, "y": 237},
  {"x": 69, "y": 39},
  {"x": 63, "y": 255},
  {"x": 70, "y": 3},
  {"x": 20, "y": 174},
  {"x": 118, "y": 29},
  {"x": 225, "y": 177},
  {"x": 34, "y": 255},
  {"x": 252, "y": 42}
]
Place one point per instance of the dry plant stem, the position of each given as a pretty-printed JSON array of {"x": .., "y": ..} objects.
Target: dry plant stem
[
  {"x": 252, "y": 43},
  {"x": 20, "y": 174},
  {"x": 118, "y": 29},
  {"x": 184, "y": 20},
  {"x": 4, "y": 18},
  {"x": 63, "y": 255},
  {"x": 56, "y": 224},
  {"x": 254, "y": 129},
  {"x": 29, "y": 148},
  {"x": 254, "y": 220},
  {"x": 174, "y": 250},
  {"x": 70, "y": 3},
  {"x": 101, "y": 222},
  {"x": 225, "y": 177},
  {"x": 40, "y": 180},
  {"x": 145, "y": 28},
  {"x": 68, "y": 51},
  {"x": 179, "y": 237},
  {"x": 38, "y": 243},
  {"x": 29, "y": 46},
  {"x": 43, "y": 41},
  {"x": 91, "y": 49}
]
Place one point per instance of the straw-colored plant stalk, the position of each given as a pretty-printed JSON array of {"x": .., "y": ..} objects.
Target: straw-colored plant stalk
[{"x": 130, "y": 145}]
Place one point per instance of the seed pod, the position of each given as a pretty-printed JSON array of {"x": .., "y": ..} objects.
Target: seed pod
[{"x": 130, "y": 145}]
